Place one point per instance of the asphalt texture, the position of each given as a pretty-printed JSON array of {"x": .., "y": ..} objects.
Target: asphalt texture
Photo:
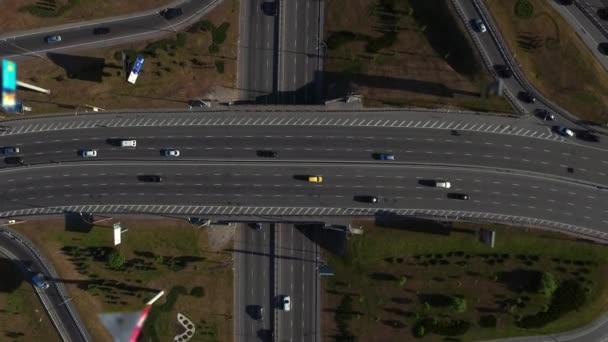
[
  {"x": 80, "y": 36},
  {"x": 257, "y": 67}
]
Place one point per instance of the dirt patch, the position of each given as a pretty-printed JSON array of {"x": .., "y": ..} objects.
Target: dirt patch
[
  {"x": 14, "y": 16},
  {"x": 155, "y": 255},
  {"x": 176, "y": 71},
  {"x": 220, "y": 236},
  {"x": 554, "y": 59},
  {"x": 399, "y": 53}
]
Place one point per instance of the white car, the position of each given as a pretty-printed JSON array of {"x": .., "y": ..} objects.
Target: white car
[
  {"x": 443, "y": 184},
  {"x": 171, "y": 152},
  {"x": 286, "y": 303},
  {"x": 128, "y": 143},
  {"x": 481, "y": 27},
  {"x": 88, "y": 153},
  {"x": 565, "y": 132}
]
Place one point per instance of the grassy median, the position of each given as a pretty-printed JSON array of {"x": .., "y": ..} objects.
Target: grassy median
[
  {"x": 553, "y": 57},
  {"x": 155, "y": 254},
  {"x": 407, "y": 279}
]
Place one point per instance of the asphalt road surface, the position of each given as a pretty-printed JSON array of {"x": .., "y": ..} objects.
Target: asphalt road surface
[
  {"x": 254, "y": 283},
  {"x": 300, "y": 51},
  {"x": 80, "y": 35},
  {"x": 297, "y": 259},
  {"x": 257, "y": 67}
]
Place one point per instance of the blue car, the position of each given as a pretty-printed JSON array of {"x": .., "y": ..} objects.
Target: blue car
[
  {"x": 52, "y": 39},
  {"x": 384, "y": 156}
]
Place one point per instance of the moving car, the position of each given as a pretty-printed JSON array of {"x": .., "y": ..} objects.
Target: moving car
[
  {"x": 256, "y": 226},
  {"x": 479, "y": 25},
  {"x": 369, "y": 199},
  {"x": 270, "y": 8},
  {"x": 286, "y": 303},
  {"x": 458, "y": 196},
  {"x": 440, "y": 183},
  {"x": 39, "y": 282},
  {"x": 527, "y": 97},
  {"x": 88, "y": 153},
  {"x": 260, "y": 313},
  {"x": 150, "y": 178},
  {"x": 545, "y": 115},
  {"x": 503, "y": 71},
  {"x": 384, "y": 156},
  {"x": 565, "y": 131},
  {"x": 588, "y": 136},
  {"x": 52, "y": 39},
  {"x": 170, "y": 13},
  {"x": 603, "y": 13},
  {"x": 315, "y": 179},
  {"x": 11, "y": 150},
  {"x": 14, "y": 160},
  {"x": 171, "y": 152},
  {"x": 101, "y": 30},
  {"x": 267, "y": 153},
  {"x": 128, "y": 143}
]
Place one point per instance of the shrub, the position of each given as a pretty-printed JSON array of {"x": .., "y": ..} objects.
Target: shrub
[
  {"x": 547, "y": 284},
  {"x": 568, "y": 296},
  {"x": 116, "y": 261},
  {"x": 218, "y": 35},
  {"x": 385, "y": 41},
  {"x": 181, "y": 40},
  {"x": 448, "y": 327},
  {"x": 524, "y": 9},
  {"x": 339, "y": 38},
  {"x": 487, "y": 321},
  {"x": 458, "y": 304},
  {"x": 197, "y": 291},
  {"x": 219, "y": 65},
  {"x": 419, "y": 330},
  {"x": 214, "y": 48}
]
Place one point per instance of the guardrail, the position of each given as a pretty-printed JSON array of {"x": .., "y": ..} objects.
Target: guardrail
[
  {"x": 588, "y": 12},
  {"x": 50, "y": 271}
]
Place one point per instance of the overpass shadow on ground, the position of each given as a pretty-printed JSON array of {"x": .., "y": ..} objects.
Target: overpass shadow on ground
[{"x": 417, "y": 224}]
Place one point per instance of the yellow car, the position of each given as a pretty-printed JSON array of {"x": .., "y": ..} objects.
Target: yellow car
[{"x": 315, "y": 179}]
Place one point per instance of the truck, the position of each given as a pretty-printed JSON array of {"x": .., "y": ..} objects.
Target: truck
[{"x": 39, "y": 282}]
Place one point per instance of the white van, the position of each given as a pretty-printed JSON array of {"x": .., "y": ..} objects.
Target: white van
[{"x": 128, "y": 143}]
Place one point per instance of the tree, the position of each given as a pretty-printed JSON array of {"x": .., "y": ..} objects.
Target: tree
[
  {"x": 547, "y": 284},
  {"x": 458, "y": 304},
  {"x": 116, "y": 261}
]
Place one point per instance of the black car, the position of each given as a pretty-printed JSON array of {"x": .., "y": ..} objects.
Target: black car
[
  {"x": 366, "y": 198},
  {"x": 603, "y": 13},
  {"x": 545, "y": 114},
  {"x": 503, "y": 71},
  {"x": 458, "y": 196},
  {"x": 603, "y": 48},
  {"x": 150, "y": 178},
  {"x": 267, "y": 154},
  {"x": 101, "y": 30},
  {"x": 526, "y": 97},
  {"x": 588, "y": 136},
  {"x": 256, "y": 226},
  {"x": 270, "y": 8},
  {"x": 14, "y": 160},
  {"x": 170, "y": 13}
]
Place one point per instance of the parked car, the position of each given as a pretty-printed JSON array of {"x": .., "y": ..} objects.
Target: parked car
[
  {"x": 479, "y": 25},
  {"x": 503, "y": 71},
  {"x": 52, "y": 39},
  {"x": 11, "y": 150}
]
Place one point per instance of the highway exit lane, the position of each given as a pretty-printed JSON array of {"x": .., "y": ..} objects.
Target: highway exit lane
[{"x": 274, "y": 185}]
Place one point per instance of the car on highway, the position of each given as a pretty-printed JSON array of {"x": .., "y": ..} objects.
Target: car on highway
[
  {"x": 150, "y": 178},
  {"x": 11, "y": 150},
  {"x": 603, "y": 13},
  {"x": 39, "y": 282},
  {"x": 588, "y": 136},
  {"x": 367, "y": 198},
  {"x": 458, "y": 196},
  {"x": 101, "y": 30},
  {"x": 52, "y": 39},
  {"x": 503, "y": 71},
  {"x": 603, "y": 48},
  {"x": 128, "y": 143},
  {"x": 383, "y": 156},
  {"x": 171, "y": 152},
  {"x": 479, "y": 25},
  {"x": 315, "y": 179},
  {"x": 260, "y": 313},
  {"x": 256, "y": 225},
  {"x": 565, "y": 131},
  {"x": 286, "y": 303},
  {"x": 170, "y": 13},
  {"x": 440, "y": 183},
  {"x": 526, "y": 96},
  {"x": 267, "y": 153},
  {"x": 270, "y": 8},
  {"x": 14, "y": 160},
  {"x": 88, "y": 153},
  {"x": 544, "y": 114}
]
